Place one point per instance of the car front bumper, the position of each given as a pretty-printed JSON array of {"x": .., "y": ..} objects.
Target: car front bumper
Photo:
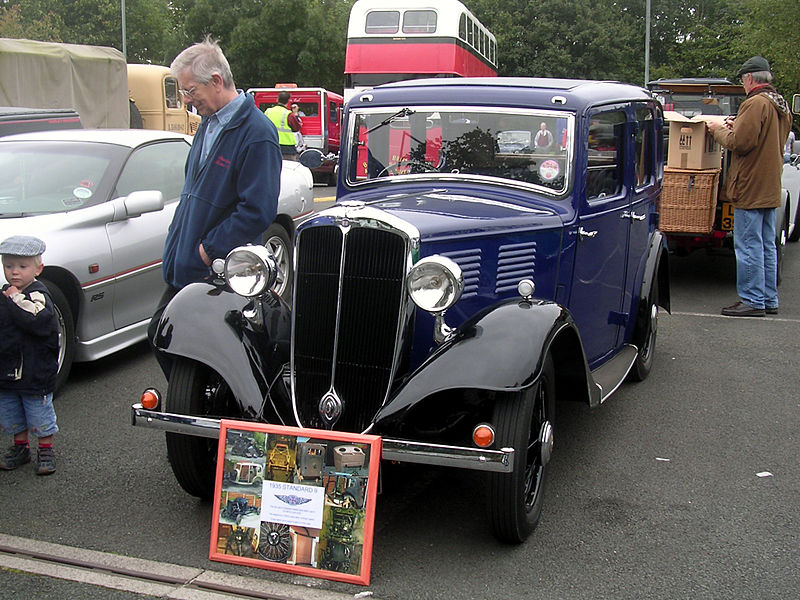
[{"x": 478, "y": 459}]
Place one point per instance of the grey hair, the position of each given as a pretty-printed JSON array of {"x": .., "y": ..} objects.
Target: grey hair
[
  {"x": 203, "y": 60},
  {"x": 762, "y": 76}
]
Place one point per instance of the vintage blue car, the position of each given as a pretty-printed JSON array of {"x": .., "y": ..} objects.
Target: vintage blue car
[{"x": 474, "y": 273}]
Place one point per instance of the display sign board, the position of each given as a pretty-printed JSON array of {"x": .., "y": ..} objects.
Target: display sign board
[{"x": 295, "y": 500}]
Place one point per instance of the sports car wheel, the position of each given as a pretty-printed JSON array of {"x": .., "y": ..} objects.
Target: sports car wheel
[
  {"x": 275, "y": 542},
  {"x": 277, "y": 241},
  {"x": 194, "y": 389},
  {"x": 525, "y": 423},
  {"x": 795, "y": 236},
  {"x": 66, "y": 332}
]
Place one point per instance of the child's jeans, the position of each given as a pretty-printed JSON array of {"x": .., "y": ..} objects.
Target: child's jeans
[{"x": 21, "y": 411}]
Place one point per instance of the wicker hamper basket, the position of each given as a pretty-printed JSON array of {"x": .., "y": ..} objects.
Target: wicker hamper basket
[{"x": 688, "y": 200}]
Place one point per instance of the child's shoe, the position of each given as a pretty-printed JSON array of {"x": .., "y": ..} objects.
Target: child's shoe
[
  {"x": 46, "y": 459},
  {"x": 17, "y": 455}
]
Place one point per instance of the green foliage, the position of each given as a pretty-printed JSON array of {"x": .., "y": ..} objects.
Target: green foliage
[{"x": 274, "y": 41}]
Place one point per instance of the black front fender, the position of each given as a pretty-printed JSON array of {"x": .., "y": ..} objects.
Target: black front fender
[
  {"x": 499, "y": 350},
  {"x": 245, "y": 340}
]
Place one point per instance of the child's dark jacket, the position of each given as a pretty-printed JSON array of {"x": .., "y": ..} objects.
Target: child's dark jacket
[{"x": 28, "y": 341}]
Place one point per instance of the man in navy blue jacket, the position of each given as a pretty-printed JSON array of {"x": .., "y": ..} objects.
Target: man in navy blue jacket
[{"x": 230, "y": 196}]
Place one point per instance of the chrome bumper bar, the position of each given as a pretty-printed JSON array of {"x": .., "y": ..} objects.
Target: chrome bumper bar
[{"x": 498, "y": 461}]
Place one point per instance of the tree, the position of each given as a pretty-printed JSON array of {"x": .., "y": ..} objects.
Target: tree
[
  {"x": 770, "y": 31},
  {"x": 149, "y": 30}
]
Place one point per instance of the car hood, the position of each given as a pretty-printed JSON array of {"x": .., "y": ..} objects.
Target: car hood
[{"x": 447, "y": 213}]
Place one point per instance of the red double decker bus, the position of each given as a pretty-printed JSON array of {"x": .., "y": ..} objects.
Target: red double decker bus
[{"x": 394, "y": 42}]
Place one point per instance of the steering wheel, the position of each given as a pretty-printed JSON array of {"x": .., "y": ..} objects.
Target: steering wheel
[{"x": 412, "y": 162}]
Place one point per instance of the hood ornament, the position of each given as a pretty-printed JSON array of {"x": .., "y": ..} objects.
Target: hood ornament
[{"x": 330, "y": 408}]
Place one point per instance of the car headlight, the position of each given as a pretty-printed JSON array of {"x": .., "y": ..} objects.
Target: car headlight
[
  {"x": 250, "y": 270},
  {"x": 435, "y": 283}
]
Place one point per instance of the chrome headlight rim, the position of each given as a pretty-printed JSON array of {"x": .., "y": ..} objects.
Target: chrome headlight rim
[
  {"x": 444, "y": 279},
  {"x": 250, "y": 270}
]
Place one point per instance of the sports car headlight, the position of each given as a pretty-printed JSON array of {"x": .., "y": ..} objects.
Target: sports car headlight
[
  {"x": 250, "y": 270},
  {"x": 435, "y": 283}
]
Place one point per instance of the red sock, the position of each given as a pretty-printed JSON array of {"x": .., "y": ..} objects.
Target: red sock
[
  {"x": 41, "y": 445},
  {"x": 20, "y": 442}
]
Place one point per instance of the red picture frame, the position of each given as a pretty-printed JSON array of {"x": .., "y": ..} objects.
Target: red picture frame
[{"x": 295, "y": 500}]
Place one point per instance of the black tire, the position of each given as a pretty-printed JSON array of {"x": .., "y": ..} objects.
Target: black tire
[
  {"x": 194, "y": 389},
  {"x": 515, "y": 499},
  {"x": 796, "y": 232},
  {"x": 66, "y": 333},
  {"x": 136, "y": 117},
  {"x": 645, "y": 336},
  {"x": 276, "y": 240},
  {"x": 781, "y": 236}
]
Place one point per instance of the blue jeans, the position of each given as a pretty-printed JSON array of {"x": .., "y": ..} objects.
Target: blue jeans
[
  {"x": 756, "y": 256},
  {"x": 32, "y": 412}
]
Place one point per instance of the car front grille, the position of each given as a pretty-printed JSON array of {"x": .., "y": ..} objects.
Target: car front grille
[{"x": 348, "y": 302}]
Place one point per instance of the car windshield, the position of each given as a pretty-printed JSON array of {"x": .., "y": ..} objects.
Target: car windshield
[
  {"x": 701, "y": 104},
  {"x": 516, "y": 147},
  {"x": 38, "y": 177}
]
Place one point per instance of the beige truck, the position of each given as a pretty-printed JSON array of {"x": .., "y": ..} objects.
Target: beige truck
[
  {"x": 154, "y": 94},
  {"x": 94, "y": 81}
]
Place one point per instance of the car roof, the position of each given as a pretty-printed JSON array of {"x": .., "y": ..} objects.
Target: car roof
[
  {"x": 522, "y": 91},
  {"x": 121, "y": 137}
]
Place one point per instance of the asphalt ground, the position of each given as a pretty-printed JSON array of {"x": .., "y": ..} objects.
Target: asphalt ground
[{"x": 682, "y": 486}]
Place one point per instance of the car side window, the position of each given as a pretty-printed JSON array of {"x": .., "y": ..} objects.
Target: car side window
[
  {"x": 158, "y": 166},
  {"x": 606, "y": 148},
  {"x": 644, "y": 147}
]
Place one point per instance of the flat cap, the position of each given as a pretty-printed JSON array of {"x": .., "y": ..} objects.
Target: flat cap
[
  {"x": 22, "y": 245},
  {"x": 753, "y": 65}
]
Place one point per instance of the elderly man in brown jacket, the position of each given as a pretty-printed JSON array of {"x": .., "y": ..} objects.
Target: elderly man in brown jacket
[{"x": 755, "y": 139}]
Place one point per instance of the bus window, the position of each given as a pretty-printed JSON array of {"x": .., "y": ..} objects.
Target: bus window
[
  {"x": 471, "y": 33},
  {"x": 462, "y": 26},
  {"x": 383, "y": 21},
  {"x": 419, "y": 21},
  {"x": 333, "y": 113}
]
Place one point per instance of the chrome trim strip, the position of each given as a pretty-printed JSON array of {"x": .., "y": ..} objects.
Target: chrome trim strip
[
  {"x": 120, "y": 276},
  {"x": 476, "y": 459}
]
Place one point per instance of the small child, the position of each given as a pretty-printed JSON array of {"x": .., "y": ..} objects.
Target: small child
[{"x": 28, "y": 355}]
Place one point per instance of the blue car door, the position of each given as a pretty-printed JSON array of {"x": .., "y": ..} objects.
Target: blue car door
[{"x": 601, "y": 259}]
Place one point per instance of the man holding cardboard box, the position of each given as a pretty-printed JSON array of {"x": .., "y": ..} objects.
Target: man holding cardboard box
[{"x": 755, "y": 139}]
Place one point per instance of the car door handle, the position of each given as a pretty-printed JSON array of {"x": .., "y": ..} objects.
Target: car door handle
[
  {"x": 633, "y": 216},
  {"x": 586, "y": 234}
]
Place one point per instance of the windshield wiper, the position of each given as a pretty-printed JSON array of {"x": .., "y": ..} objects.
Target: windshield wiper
[{"x": 403, "y": 112}]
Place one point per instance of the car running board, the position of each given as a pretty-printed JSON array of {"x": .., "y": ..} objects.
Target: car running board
[{"x": 609, "y": 377}]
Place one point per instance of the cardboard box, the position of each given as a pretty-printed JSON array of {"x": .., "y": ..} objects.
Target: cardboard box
[{"x": 691, "y": 146}]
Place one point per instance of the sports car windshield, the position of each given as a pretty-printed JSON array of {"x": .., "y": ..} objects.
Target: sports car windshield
[
  {"x": 39, "y": 177},
  {"x": 516, "y": 147}
]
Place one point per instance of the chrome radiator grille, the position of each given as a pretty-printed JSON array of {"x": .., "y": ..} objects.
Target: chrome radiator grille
[{"x": 347, "y": 305}]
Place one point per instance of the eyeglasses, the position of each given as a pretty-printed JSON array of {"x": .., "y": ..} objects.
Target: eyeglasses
[{"x": 188, "y": 93}]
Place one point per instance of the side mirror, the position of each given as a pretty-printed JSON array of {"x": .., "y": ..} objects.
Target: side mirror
[
  {"x": 796, "y": 104},
  {"x": 311, "y": 158},
  {"x": 137, "y": 203}
]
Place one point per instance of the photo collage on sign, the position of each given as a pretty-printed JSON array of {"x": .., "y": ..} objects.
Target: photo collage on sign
[{"x": 293, "y": 500}]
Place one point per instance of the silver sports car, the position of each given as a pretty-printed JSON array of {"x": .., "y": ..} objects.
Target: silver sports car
[{"x": 102, "y": 201}]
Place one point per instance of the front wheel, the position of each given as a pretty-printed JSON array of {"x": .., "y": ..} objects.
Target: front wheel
[
  {"x": 66, "y": 333},
  {"x": 525, "y": 423},
  {"x": 276, "y": 240},
  {"x": 197, "y": 390}
]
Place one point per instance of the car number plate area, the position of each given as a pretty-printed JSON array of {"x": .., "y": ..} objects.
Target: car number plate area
[{"x": 727, "y": 216}]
